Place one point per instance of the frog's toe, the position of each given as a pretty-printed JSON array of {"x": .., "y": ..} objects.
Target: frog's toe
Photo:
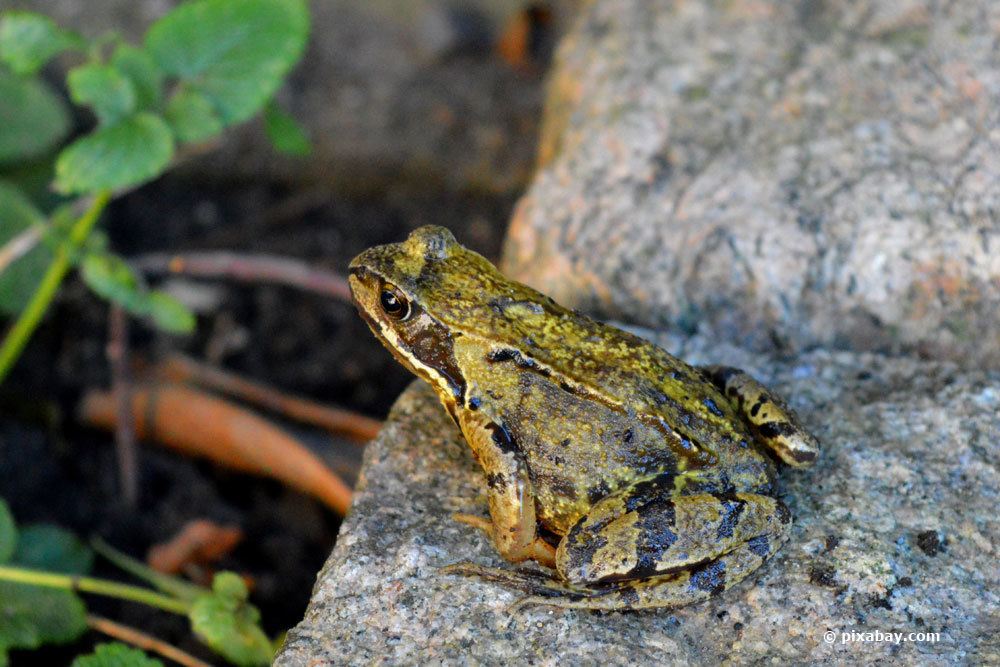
[{"x": 530, "y": 581}]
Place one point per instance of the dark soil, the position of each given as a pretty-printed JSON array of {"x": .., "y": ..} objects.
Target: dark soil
[{"x": 53, "y": 470}]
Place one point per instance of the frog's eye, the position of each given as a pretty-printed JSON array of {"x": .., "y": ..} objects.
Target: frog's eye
[{"x": 394, "y": 303}]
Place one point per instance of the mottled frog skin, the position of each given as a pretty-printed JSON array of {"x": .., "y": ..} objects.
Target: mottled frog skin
[{"x": 640, "y": 480}]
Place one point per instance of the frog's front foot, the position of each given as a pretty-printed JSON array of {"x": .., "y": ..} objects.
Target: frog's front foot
[{"x": 537, "y": 549}]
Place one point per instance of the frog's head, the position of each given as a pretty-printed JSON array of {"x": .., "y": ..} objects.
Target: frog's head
[{"x": 416, "y": 294}]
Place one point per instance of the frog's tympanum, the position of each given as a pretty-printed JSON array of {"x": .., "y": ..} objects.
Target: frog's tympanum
[{"x": 639, "y": 480}]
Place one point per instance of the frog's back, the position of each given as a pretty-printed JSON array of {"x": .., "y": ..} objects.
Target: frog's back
[{"x": 605, "y": 364}]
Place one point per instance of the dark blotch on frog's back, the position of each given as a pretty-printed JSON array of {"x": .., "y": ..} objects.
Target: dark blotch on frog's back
[
  {"x": 509, "y": 354},
  {"x": 598, "y": 491}
]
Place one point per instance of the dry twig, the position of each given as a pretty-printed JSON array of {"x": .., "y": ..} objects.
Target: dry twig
[
  {"x": 121, "y": 387},
  {"x": 248, "y": 268},
  {"x": 141, "y": 640},
  {"x": 179, "y": 368}
]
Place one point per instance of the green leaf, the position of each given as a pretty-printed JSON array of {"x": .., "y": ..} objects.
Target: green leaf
[
  {"x": 8, "y": 532},
  {"x": 104, "y": 89},
  {"x": 235, "y": 52},
  {"x": 192, "y": 117},
  {"x": 115, "y": 654},
  {"x": 228, "y": 624},
  {"x": 19, "y": 281},
  {"x": 128, "y": 153},
  {"x": 284, "y": 132},
  {"x": 47, "y": 547},
  {"x": 29, "y": 40},
  {"x": 169, "y": 314},
  {"x": 33, "y": 119},
  {"x": 112, "y": 278},
  {"x": 142, "y": 71},
  {"x": 31, "y": 616}
]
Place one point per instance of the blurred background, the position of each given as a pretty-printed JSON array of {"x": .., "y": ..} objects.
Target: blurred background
[{"x": 416, "y": 112}]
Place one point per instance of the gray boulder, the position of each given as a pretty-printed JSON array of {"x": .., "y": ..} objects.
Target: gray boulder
[
  {"x": 895, "y": 531},
  {"x": 783, "y": 174}
]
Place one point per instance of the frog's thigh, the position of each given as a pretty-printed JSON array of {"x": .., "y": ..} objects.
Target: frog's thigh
[
  {"x": 668, "y": 535},
  {"x": 511, "y": 499},
  {"x": 772, "y": 421}
]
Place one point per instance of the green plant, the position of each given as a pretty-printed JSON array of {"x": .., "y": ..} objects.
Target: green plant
[
  {"x": 44, "y": 568},
  {"x": 203, "y": 67}
]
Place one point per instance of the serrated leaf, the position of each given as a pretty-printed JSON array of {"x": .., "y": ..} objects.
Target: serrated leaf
[
  {"x": 44, "y": 546},
  {"x": 33, "y": 119},
  {"x": 8, "y": 532},
  {"x": 104, "y": 89},
  {"x": 284, "y": 132},
  {"x": 111, "y": 277},
  {"x": 128, "y": 153},
  {"x": 31, "y": 616},
  {"x": 169, "y": 314},
  {"x": 235, "y": 52},
  {"x": 191, "y": 116},
  {"x": 29, "y": 40},
  {"x": 228, "y": 624},
  {"x": 20, "y": 279},
  {"x": 143, "y": 72},
  {"x": 115, "y": 654}
]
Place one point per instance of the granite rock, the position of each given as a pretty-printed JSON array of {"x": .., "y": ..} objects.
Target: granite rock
[
  {"x": 783, "y": 174},
  {"x": 896, "y": 530}
]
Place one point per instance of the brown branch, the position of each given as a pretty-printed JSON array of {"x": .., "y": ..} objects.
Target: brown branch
[
  {"x": 178, "y": 368},
  {"x": 249, "y": 269},
  {"x": 121, "y": 388},
  {"x": 143, "y": 641}
]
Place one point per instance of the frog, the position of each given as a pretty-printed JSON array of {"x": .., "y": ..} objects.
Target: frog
[{"x": 617, "y": 476}]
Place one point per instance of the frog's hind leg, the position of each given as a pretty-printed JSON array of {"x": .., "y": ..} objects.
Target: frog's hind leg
[
  {"x": 698, "y": 583},
  {"x": 667, "y": 551},
  {"x": 773, "y": 422}
]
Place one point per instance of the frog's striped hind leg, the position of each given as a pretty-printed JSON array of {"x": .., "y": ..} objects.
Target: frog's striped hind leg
[
  {"x": 772, "y": 421},
  {"x": 667, "y": 551},
  {"x": 701, "y": 582}
]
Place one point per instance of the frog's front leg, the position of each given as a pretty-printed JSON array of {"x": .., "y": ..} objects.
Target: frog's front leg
[{"x": 512, "y": 525}]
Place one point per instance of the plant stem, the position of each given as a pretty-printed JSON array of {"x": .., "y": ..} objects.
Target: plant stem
[
  {"x": 96, "y": 586},
  {"x": 163, "y": 582},
  {"x": 26, "y": 324}
]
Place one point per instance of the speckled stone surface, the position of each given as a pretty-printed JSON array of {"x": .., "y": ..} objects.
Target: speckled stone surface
[
  {"x": 782, "y": 173},
  {"x": 896, "y": 530}
]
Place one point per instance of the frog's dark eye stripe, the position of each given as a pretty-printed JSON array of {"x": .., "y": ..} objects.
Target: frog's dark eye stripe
[{"x": 394, "y": 303}]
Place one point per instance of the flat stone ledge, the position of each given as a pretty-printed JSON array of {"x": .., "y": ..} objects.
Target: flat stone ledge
[{"x": 895, "y": 530}]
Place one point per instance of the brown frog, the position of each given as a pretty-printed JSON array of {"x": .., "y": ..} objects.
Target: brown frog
[{"x": 640, "y": 480}]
